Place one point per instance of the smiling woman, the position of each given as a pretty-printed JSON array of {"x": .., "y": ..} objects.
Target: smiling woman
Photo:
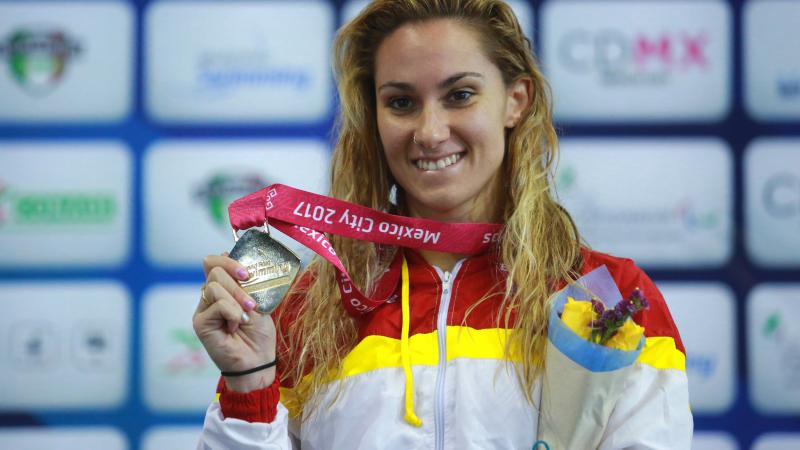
[
  {"x": 443, "y": 104},
  {"x": 442, "y": 112}
]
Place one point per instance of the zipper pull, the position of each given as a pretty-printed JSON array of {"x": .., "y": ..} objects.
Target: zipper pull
[{"x": 446, "y": 281}]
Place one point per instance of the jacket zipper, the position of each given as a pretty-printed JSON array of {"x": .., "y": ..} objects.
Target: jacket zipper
[{"x": 441, "y": 328}]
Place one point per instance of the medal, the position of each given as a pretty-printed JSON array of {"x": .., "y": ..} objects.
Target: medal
[{"x": 272, "y": 268}]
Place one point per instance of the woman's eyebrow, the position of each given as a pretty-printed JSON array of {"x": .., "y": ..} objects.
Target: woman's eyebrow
[
  {"x": 453, "y": 79},
  {"x": 442, "y": 85},
  {"x": 397, "y": 85}
]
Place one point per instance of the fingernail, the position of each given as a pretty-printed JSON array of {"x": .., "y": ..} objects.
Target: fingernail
[
  {"x": 245, "y": 317},
  {"x": 249, "y": 305},
  {"x": 242, "y": 273}
]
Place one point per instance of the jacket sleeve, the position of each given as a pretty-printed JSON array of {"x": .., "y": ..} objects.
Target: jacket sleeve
[
  {"x": 251, "y": 421},
  {"x": 654, "y": 412},
  {"x": 220, "y": 433}
]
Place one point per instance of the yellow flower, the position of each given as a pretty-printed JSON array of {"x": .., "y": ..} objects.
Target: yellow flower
[
  {"x": 577, "y": 315},
  {"x": 627, "y": 336}
]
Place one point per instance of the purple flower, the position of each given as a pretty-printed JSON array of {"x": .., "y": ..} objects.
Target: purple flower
[
  {"x": 610, "y": 320},
  {"x": 638, "y": 298},
  {"x": 598, "y": 306}
]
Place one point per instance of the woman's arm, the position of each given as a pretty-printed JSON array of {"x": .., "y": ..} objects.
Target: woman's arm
[{"x": 246, "y": 414}]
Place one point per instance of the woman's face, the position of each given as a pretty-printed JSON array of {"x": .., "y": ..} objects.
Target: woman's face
[{"x": 442, "y": 111}]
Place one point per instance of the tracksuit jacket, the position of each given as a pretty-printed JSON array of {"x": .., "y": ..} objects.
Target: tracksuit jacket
[{"x": 464, "y": 391}]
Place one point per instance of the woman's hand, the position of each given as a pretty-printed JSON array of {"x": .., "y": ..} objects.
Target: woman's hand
[{"x": 235, "y": 336}]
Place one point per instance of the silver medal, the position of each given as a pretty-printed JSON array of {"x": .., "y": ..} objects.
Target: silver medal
[{"x": 271, "y": 265}]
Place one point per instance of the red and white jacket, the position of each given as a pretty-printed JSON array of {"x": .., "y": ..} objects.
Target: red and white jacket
[{"x": 465, "y": 392}]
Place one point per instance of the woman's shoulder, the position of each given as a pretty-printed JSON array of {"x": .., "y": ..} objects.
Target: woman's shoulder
[
  {"x": 625, "y": 272},
  {"x": 656, "y": 320}
]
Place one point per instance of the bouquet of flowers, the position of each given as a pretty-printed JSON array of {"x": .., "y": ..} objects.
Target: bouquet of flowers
[{"x": 592, "y": 344}]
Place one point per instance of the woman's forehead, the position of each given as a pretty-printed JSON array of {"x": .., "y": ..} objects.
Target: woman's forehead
[{"x": 437, "y": 48}]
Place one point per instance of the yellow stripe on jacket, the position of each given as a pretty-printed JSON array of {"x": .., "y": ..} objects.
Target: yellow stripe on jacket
[
  {"x": 380, "y": 352},
  {"x": 660, "y": 352}
]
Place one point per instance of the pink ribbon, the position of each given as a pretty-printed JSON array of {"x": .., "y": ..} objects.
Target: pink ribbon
[{"x": 305, "y": 217}]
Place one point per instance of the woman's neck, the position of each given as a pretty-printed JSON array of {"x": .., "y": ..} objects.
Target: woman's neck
[
  {"x": 444, "y": 261},
  {"x": 485, "y": 209}
]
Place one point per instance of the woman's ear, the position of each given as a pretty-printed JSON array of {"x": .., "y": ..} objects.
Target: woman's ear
[{"x": 520, "y": 95}]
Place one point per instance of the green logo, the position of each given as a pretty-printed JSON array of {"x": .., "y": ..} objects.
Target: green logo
[
  {"x": 771, "y": 328},
  {"x": 191, "y": 359},
  {"x": 221, "y": 189},
  {"x": 38, "y": 59},
  {"x": 56, "y": 208}
]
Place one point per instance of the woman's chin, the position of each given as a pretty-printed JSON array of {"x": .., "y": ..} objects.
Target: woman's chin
[{"x": 446, "y": 208}]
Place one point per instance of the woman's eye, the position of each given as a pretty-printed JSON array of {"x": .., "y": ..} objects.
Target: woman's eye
[
  {"x": 400, "y": 103},
  {"x": 461, "y": 96}
]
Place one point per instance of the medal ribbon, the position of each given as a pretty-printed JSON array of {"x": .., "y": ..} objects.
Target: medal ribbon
[{"x": 305, "y": 217}]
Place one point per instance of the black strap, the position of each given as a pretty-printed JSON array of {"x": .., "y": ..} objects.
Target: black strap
[{"x": 226, "y": 373}]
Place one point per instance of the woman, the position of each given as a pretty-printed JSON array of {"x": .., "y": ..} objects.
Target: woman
[{"x": 444, "y": 116}]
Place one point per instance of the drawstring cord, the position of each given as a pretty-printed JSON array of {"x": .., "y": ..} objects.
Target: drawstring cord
[{"x": 405, "y": 355}]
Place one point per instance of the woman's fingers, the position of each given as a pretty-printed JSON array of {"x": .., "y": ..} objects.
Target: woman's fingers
[
  {"x": 231, "y": 266},
  {"x": 223, "y": 278},
  {"x": 223, "y": 307}
]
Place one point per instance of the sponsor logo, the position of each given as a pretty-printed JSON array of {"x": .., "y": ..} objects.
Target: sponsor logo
[
  {"x": 177, "y": 370},
  {"x": 39, "y": 58},
  {"x": 75, "y": 331},
  {"x": 224, "y": 71},
  {"x": 781, "y": 196},
  {"x": 619, "y": 58},
  {"x": 241, "y": 61},
  {"x": 701, "y": 365},
  {"x": 93, "y": 345},
  {"x": 221, "y": 189},
  {"x": 55, "y": 208},
  {"x": 34, "y": 344},
  {"x": 191, "y": 359},
  {"x": 682, "y": 215},
  {"x": 775, "y": 331}
]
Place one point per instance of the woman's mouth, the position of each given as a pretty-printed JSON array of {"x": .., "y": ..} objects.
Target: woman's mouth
[{"x": 438, "y": 164}]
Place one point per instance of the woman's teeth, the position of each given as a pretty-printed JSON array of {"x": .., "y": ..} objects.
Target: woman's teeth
[{"x": 439, "y": 163}]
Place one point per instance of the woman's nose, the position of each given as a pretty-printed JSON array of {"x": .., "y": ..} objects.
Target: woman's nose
[{"x": 432, "y": 129}]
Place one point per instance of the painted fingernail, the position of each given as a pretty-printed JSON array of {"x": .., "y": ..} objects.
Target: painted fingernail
[
  {"x": 249, "y": 304},
  {"x": 242, "y": 273},
  {"x": 245, "y": 317}
]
